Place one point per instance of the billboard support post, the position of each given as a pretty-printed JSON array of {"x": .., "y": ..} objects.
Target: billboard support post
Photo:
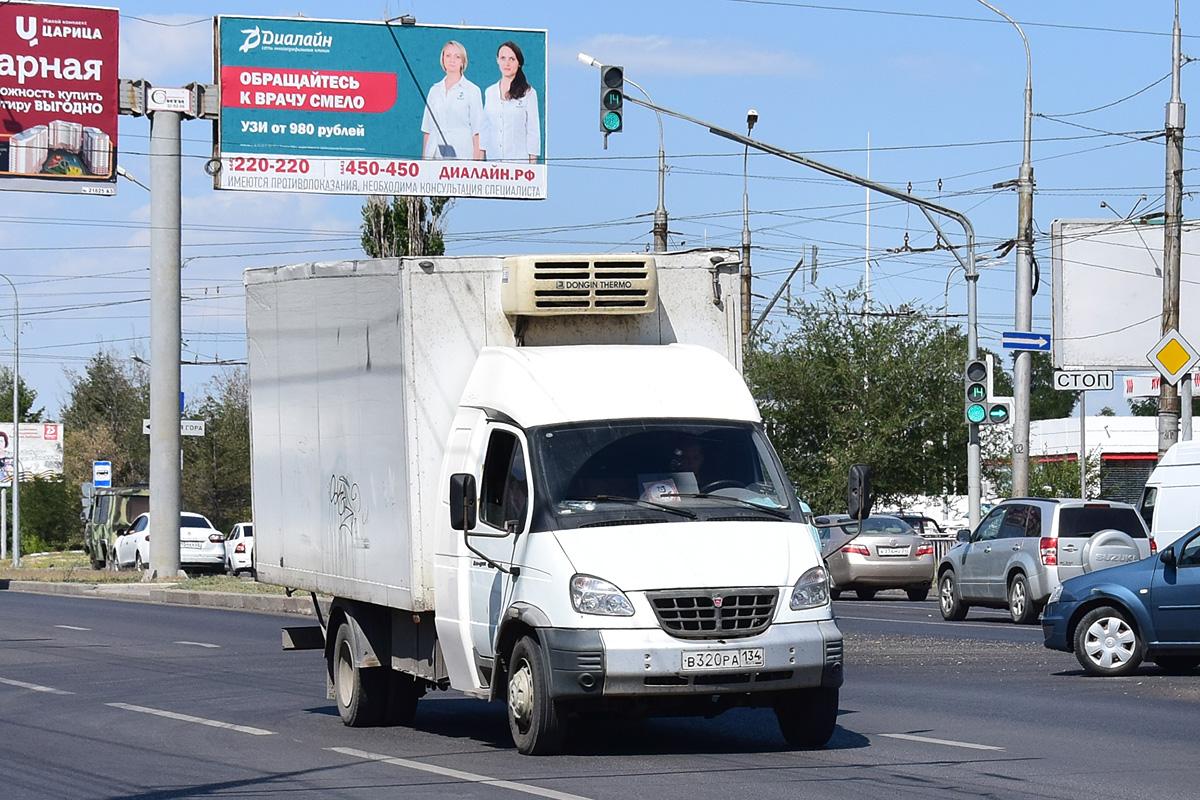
[{"x": 165, "y": 331}]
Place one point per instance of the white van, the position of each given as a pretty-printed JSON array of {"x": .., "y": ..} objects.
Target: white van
[{"x": 1170, "y": 502}]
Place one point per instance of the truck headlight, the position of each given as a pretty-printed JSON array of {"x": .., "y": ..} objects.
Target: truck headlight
[
  {"x": 811, "y": 591},
  {"x": 595, "y": 596}
]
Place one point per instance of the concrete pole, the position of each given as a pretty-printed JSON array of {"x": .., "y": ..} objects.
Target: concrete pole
[
  {"x": 166, "y": 494},
  {"x": 16, "y": 415},
  {"x": 1083, "y": 444},
  {"x": 3, "y": 524},
  {"x": 751, "y": 118},
  {"x": 1168, "y": 396},
  {"x": 660, "y": 211},
  {"x": 1023, "y": 311}
]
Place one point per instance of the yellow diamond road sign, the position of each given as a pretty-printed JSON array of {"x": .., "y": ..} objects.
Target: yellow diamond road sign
[{"x": 1173, "y": 357}]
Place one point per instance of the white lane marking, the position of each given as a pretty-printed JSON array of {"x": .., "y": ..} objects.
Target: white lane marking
[
  {"x": 458, "y": 774},
  {"x": 33, "y": 686},
  {"x": 199, "y": 644},
  {"x": 72, "y": 627},
  {"x": 927, "y": 740},
  {"x": 212, "y": 723}
]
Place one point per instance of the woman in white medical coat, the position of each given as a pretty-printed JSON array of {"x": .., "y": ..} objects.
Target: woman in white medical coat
[
  {"x": 512, "y": 127},
  {"x": 453, "y": 111}
]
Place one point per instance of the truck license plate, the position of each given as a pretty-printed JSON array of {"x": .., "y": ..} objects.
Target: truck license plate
[{"x": 709, "y": 660}]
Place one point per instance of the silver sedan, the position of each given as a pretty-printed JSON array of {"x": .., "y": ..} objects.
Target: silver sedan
[{"x": 888, "y": 554}]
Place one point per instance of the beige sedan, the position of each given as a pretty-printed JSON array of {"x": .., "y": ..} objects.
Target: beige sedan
[{"x": 888, "y": 554}]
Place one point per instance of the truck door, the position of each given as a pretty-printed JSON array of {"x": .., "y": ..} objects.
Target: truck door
[{"x": 504, "y": 493}]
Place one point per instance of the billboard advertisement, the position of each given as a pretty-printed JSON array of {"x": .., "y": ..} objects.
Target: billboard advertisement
[
  {"x": 58, "y": 98},
  {"x": 382, "y": 108},
  {"x": 41, "y": 451},
  {"x": 1108, "y": 291}
]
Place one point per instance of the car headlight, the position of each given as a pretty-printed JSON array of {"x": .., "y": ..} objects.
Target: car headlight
[
  {"x": 1055, "y": 595},
  {"x": 595, "y": 596},
  {"x": 811, "y": 591}
]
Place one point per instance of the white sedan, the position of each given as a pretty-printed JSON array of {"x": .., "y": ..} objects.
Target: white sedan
[
  {"x": 239, "y": 549},
  {"x": 200, "y": 544}
]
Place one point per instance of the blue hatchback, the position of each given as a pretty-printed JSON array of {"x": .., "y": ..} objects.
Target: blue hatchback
[{"x": 1115, "y": 618}]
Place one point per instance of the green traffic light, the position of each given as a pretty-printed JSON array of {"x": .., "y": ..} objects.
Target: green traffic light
[
  {"x": 612, "y": 99},
  {"x": 611, "y": 121},
  {"x": 976, "y": 413},
  {"x": 998, "y": 414},
  {"x": 976, "y": 392}
]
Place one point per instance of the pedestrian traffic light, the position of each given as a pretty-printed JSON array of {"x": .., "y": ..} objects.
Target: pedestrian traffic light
[
  {"x": 612, "y": 98},
  {"x": 982, "y": 406}
]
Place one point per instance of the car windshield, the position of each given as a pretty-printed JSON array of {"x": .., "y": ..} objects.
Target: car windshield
[
  {"x": 626, "y": 471},
  {"x": 1083, "y": 521},
  {"x": 193, "y": 521}
]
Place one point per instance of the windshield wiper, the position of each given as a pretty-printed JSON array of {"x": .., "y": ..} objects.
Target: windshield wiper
[
  {"x": 780, "y": 513},
  {"x": 608, "y": 498}
]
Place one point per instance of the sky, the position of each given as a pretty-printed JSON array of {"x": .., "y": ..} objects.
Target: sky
[{"x": 924, "y": 94}]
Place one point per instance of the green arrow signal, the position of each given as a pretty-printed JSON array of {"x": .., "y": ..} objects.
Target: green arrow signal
[{"x": 998, "y": 413}]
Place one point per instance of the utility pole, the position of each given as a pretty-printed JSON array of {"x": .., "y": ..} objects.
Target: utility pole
[
  {"x": 1023, "y": 312},
  {"x": 1168, "y": 394},
  {"x": 751, "y": 118}
]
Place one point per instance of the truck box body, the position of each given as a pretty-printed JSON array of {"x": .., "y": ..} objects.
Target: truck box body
[
  {"x": 537, "y": 479},
  {"x": 357, "y": 369}
]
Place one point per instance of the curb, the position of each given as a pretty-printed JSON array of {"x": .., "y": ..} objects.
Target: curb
[{"x": 297, "y": 605}]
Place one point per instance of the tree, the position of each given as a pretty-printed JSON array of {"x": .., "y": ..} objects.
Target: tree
[
  {"x": 216, "y": 466},
  {"x": 25, "y": 400},
  {"x": 1046, "y": 402},
  {"x": 386, "y": 232},
  {"x": 886, "y": 389},
  {"x": 103, "y": 420}
]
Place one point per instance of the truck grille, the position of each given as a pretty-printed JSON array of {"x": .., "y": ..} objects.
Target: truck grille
[{"x": 716, "y": 613}]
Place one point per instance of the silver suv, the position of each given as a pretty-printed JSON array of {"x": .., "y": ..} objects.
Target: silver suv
[{"x": 1024, "y": 548}]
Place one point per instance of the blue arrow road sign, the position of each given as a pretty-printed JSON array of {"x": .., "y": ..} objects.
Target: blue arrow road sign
[{"x": 1025, "y": 340}]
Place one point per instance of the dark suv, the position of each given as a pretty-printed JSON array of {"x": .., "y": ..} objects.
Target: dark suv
[{"x": 1026, "y": 547}]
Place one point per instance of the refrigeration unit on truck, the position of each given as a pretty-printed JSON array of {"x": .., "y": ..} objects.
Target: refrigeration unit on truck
[{"x": 540, "y": 480}]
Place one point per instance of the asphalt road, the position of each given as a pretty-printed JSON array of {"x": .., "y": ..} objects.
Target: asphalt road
[{"x": 105, "y": 699}]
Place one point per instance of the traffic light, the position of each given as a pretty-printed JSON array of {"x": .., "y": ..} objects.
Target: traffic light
[
  {"x": 612, "y": 98},
  {"x": 982, "y": 406}
]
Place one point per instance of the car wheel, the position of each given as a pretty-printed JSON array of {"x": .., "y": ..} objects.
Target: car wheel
[
  {"x": 918, "y": 593},
  {"x": 533, "y": 716},
  {"x": 952, "y": 607},
  {"x": 1177, "y": 665},
  {"x": 807, "y": 717},
  {"x": 1106, "y": 644},
  {"x": 113, "y": 564},
  {"x": 1021, "y": 607},
  {"x": 360, "y": 692},
  {"x": 138, "y": 564},
  {"x": 866, "y": 594}
]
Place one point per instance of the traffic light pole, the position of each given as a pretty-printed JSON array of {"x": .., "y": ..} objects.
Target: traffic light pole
[{"x": 974, "y": 472}]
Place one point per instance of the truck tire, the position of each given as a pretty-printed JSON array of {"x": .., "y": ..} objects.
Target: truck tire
[
  {"x": 807, "y": 717},
  {"x": 360, "y": 693},
  {"x": 1021, "y": 608},
  {"x": 537, "y": 727},
  {"x": 403, "y": 693},
  {"x": 951, "y": 604}
]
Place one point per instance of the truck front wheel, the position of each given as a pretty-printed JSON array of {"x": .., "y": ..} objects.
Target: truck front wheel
[
  {"x": 807, "y": 717},
  {"x": 360, "y": 693},
  {"x": 533, "y": 717}
]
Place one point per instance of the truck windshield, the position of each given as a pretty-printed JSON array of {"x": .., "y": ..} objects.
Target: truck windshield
[{"x": 603, "y": 473}]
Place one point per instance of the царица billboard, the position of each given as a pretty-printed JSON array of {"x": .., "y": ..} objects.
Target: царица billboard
[{"x": 380, "y": 108}]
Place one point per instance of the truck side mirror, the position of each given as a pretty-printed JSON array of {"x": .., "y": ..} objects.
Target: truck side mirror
[
  {"x": 858, "y": 492},
  {"x": 463, "y": 499}
]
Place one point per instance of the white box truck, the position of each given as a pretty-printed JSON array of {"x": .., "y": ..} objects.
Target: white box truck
[
  {"x": 540, "y": 480},
  {"x": 1170, "y": 502}
]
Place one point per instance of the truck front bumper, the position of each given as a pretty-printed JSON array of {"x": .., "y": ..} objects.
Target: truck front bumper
[{"x": 649, "y": 662}]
